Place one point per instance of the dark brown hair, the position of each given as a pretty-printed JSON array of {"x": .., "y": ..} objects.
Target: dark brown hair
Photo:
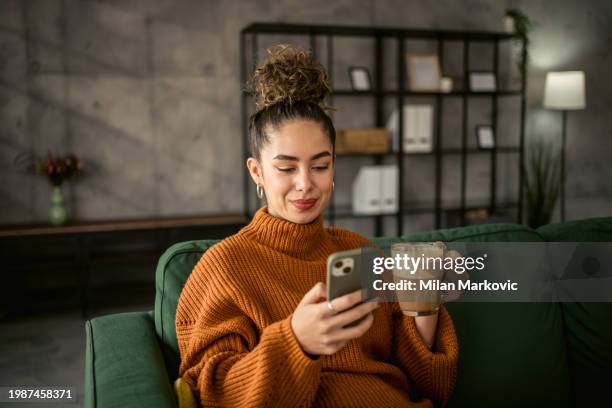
[{"x": 288, "y": 85}]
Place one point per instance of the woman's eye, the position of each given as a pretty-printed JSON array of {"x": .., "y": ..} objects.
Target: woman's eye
[{"x": 292, "y": 169}]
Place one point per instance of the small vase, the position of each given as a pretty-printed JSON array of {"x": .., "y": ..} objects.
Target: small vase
[{"x": 57, "y": 212}]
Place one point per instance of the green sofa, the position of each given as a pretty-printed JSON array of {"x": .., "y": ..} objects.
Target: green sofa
[{"x": 511, "y": 354}]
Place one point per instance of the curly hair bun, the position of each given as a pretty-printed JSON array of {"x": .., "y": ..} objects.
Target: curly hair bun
[{"x": 290, "y": 73}]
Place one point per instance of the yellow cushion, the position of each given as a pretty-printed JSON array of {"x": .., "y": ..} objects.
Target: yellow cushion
[{"x": 184, "y": 394}]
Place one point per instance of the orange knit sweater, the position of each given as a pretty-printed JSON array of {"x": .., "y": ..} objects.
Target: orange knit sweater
[{"x": 233, "y": 325}]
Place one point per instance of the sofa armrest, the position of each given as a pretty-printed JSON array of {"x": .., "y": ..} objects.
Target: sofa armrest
[{"x": 124, "y": 366}]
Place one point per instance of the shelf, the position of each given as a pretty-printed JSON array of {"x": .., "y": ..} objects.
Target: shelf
[
  {"x": 350, "y": 92},
  {"x": 471, "y": 207},
  {"x": 501, "y": 149},
  {"x": 445, "y": 151},
  {"x": 285, "y": 28},
  {"x": 344, "y": 212},
  {"x": 79, "y": 227},
  {"x": 458, "y": 150},
  {"x": 365, "y": 154}
]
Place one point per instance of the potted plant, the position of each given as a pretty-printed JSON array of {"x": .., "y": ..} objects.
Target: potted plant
[
  {"x": 57, "y": 169},
  {"x": 520, "y": 28},
  {"x": 542, "y": 183}
]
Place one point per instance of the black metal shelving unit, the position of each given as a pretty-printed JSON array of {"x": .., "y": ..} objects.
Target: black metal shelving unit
[{"x": 249, "y": 39}]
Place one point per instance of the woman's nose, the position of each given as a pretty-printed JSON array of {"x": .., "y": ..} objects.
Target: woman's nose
[{"x": 303, "y": 182}]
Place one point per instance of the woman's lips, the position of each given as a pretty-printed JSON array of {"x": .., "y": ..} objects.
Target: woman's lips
[{"x": 304, "y": 204}]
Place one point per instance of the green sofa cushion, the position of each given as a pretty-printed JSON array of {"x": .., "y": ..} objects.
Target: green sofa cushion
[
  {"x": 510, "y": 354},
  {"x": 173, "y": 269},
  {"x": 124, "y": 366},
  {"x": 478, "y": 233},
  {"x": 589, "y": 230},
  {"x": 588, "y": 325}
]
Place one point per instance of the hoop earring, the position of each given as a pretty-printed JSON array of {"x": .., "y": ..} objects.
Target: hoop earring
[
  {"x": 333, "y": 185},
  {"x": 260, "y": 191}
]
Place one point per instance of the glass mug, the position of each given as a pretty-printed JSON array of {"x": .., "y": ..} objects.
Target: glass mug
[{"x": 419, "y": 301}]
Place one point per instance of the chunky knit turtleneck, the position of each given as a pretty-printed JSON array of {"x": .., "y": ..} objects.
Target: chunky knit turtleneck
[
  {"x": 304, "y": 241},
  {"x": 237, "y": 348}
]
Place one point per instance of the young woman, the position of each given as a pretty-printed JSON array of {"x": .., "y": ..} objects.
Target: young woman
[{"x": 253, "y": 323}]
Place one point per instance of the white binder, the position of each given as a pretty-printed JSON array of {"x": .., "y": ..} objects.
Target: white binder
[
  {"x": 417, "y": 132},
  {"x": 375, "y": 190},
  {"x": 389, "y": 203}
]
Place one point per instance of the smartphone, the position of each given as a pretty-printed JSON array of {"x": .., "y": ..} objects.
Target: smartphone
[{"x": 344, "y": 276}]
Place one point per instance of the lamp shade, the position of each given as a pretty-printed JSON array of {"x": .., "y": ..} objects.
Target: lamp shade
[{"x": 564, "y": 90}]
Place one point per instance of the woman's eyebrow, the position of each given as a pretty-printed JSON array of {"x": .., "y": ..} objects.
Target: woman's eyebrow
[{"x": 293, "y": 158}]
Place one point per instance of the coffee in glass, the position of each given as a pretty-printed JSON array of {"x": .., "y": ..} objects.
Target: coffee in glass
[{"x": 421, "y": 264}]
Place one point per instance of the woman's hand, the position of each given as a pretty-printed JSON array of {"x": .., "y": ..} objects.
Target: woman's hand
[
  {"x": 320, "y": 330},
  {"x": 427, "y": 325}
]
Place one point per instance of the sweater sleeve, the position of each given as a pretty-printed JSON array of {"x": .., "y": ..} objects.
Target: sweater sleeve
[
  {"x": 227, "y": 361},
  {"x": 433, "y": 372}
]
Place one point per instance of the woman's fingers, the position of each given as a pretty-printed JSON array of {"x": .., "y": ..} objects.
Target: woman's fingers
[
  {"x": 311, "y": 320},
  {"x": 349, "y": 333},
  {"x": 342, "y": 319},
  {"x": 342, "y": 303},
  {"x": 314, "y": 295}
]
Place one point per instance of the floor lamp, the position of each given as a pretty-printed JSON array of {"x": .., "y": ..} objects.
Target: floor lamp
[{"x": 564, "y": 91}]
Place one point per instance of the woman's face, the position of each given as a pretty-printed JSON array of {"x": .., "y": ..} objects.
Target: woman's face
[{"x": 296, "y": 171}]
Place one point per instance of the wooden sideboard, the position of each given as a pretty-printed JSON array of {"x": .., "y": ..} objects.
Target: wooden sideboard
[{"x": 45, "y": 268}]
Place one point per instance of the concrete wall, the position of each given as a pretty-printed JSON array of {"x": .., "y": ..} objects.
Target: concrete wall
[{"x": 147, "y": 93}]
